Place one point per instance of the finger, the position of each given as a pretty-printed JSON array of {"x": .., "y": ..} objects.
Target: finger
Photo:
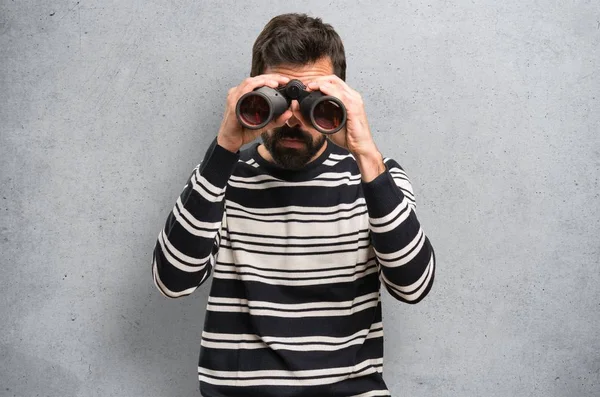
[
  {"x": 278, "y": 77},
  {"x": 326, "y": 87},
  {"x": 269, "y": 80},
  {"x": 339, "y": 138},
  {"x": 330, "y": 89},
  {"x": 272, "y": 83},
  {"x": 251, "y": 83},
  {"x": 333, "y": 79}
]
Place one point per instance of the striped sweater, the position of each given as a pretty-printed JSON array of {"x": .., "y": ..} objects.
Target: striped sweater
[{"x": 297, "y": 259}]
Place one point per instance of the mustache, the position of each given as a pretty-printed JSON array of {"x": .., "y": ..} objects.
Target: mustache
[{"x": 292, "y": 133}]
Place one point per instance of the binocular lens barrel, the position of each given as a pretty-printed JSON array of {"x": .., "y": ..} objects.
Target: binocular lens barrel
[
  {"x": 254, "y": 110},
  {"x": 257, "y": 108},
  {"x": 328, "y": 115}
]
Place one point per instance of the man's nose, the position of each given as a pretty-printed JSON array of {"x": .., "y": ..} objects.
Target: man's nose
[{"x": 296, "y": 118}]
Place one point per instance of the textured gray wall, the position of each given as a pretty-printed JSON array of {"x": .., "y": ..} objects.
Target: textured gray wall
[{"x": 493, "y": 109}]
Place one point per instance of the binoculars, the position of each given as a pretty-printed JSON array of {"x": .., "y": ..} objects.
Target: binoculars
[{"x": 257, "y": 108}]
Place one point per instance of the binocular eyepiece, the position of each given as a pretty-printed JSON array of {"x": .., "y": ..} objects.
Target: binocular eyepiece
[{"x": 257, "y": 108}]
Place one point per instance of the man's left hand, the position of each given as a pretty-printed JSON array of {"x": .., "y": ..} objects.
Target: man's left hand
[{"x": 356, "y": 135}]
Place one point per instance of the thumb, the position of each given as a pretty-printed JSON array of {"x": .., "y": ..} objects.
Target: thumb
[{"x": 339, "y": 138}]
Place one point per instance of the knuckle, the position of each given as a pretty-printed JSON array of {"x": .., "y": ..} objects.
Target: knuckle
[
  {"x": 352, "y": 105},
  {"x": 355, "y": 97}
]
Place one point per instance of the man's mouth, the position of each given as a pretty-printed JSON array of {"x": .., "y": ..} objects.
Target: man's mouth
[{"x": 293, "y": 142}]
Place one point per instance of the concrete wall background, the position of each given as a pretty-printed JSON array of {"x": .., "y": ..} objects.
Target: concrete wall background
[{"x": 493, "y": 108}]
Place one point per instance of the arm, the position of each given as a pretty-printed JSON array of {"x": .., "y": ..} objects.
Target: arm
[
  {"x": 405, "y": 256},
  {"x": 187, "y": 246},
  {"x": 404, "y": 253}
]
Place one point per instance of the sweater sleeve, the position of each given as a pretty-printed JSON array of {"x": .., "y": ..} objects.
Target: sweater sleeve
[
  {"x": 188, "y": 244},
  {"x": 405, "y": 255}
]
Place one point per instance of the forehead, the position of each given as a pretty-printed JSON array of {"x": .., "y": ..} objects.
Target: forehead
[{"x": 304, "y": 73}]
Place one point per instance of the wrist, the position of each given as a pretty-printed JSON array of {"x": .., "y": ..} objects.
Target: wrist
[
  {"x": 371, "y": 165},
  {"x": 227, "y": 144}
]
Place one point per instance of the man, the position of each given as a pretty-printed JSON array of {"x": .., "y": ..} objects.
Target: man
[{"x": 299, "y": 234}]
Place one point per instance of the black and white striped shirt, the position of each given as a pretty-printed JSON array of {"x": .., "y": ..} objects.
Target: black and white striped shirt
[{"x": 297, "y": 259}]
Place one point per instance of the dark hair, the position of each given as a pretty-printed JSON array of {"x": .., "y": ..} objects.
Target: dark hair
[{"x": 297, "y": 39}]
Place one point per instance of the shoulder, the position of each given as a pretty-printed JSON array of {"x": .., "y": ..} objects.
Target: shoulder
[
  {"x": 246, "y": 160},
  {"x": 400, "y": 178},
  {"x": 247, "y": 152},
  {"x": 393, "y": 166},
  {"x": 396, "y": 170}
]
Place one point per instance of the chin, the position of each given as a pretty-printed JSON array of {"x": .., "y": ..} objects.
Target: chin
[{"x": 290, "y": 160}]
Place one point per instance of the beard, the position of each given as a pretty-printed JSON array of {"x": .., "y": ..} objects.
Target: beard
[{"x": 291, "y": 158}]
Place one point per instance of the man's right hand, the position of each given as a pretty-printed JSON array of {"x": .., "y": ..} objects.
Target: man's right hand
[{"x": 232, "y": 135}]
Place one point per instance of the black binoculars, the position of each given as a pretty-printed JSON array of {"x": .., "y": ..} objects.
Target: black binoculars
[{"x": 257, "y": 108}]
